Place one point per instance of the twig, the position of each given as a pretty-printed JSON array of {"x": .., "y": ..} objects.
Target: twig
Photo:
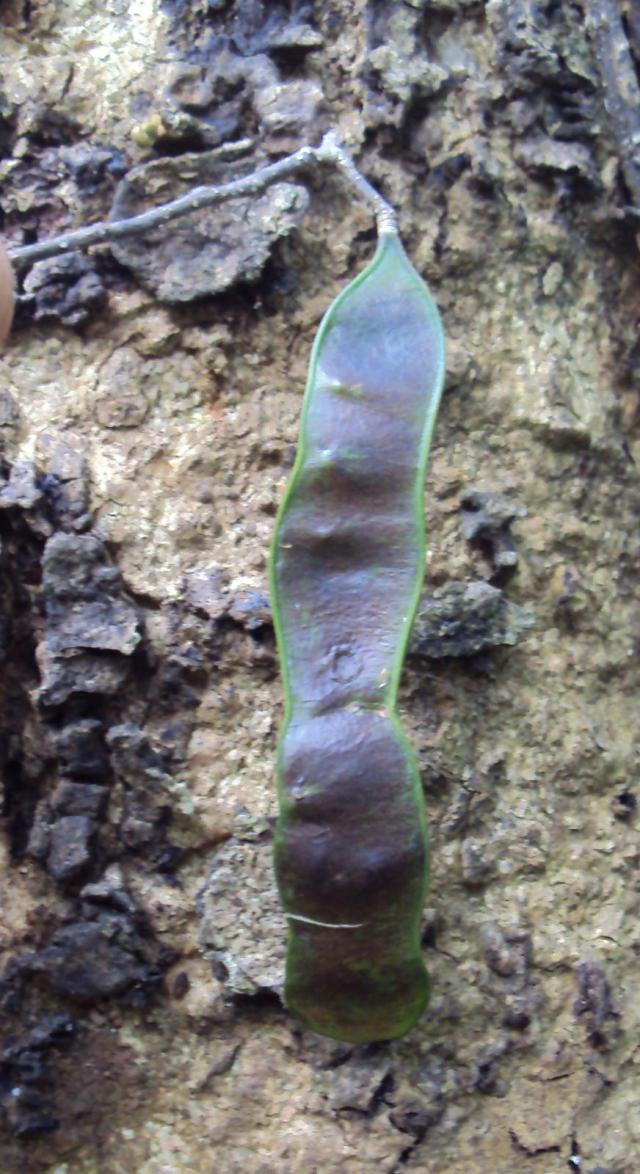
[
  {"x": 330, "y": 151},
  {"x": 335, "y": 152},
  {"x": 621, "y": 91}
]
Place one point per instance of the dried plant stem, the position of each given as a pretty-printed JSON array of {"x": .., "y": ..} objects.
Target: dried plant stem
[
  {"x": 330, "y": 151},
  {"x": 333, "y": 151}
]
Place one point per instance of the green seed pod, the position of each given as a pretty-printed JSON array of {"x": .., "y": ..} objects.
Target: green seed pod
[{"x": 347, "y": 568}]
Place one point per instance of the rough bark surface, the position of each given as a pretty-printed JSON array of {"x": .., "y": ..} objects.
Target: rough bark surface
[{"x": 145, "y": 442}]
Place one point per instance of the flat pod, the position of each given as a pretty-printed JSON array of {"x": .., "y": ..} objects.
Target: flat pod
[
  {"x": 7, "y": 293},
  {"x": 347, "y": 567}
]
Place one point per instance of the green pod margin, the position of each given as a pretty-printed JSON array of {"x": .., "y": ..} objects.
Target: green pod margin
[{"x": 346, "y": 572}]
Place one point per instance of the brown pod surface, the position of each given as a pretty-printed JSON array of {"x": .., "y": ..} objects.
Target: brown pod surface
[
  {"x": 7, "y": 292},
  {"x": 346, "y": 571}
]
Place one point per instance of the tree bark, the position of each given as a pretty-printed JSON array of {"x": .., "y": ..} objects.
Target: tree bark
[{"x": 149, "y": 407}]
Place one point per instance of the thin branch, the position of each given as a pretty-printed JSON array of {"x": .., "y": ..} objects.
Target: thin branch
[
  {"x": 334, "y": 151},
  {"x": 331, "y": 151}
]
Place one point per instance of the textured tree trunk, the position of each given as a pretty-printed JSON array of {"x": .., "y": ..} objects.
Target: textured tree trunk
[{"x": 149, "y": 404}]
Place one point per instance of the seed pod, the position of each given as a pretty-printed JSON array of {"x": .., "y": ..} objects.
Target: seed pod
[
  {"x": 7, "y": 293},
  {"x": 347, "y": 567}
]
